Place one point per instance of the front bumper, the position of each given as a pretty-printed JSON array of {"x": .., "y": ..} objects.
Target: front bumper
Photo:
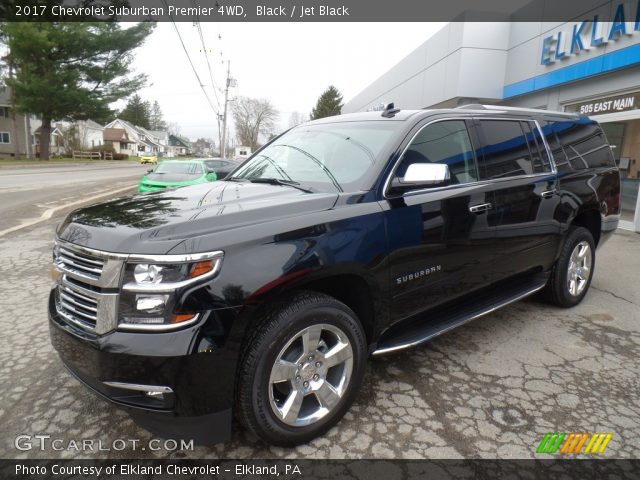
[{"x": 196, "y": 369}]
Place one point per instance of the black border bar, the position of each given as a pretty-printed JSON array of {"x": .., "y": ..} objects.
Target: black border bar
[{"x": 317, "y": 10}]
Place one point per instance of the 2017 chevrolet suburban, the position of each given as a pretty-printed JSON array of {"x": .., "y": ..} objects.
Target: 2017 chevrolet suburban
[{"x": 264, "y": 294}]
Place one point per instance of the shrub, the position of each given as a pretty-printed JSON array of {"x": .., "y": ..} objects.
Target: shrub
[{"x": 120, "y": 156}]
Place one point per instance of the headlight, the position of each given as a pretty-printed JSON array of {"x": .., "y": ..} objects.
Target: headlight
[{"x": 147, "y": 301}]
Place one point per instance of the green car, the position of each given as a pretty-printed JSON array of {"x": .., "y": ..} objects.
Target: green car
[{"x": 176, "y": 173}]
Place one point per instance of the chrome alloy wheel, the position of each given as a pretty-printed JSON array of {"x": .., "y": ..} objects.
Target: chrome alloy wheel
[
  {"x": 310, "y": 375},
  {"x": 579, "y": 268}
]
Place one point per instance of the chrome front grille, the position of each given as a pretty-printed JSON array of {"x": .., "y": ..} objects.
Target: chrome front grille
[
  {"x": 77, "y": 305},
  {"x": 80, "y": 263},
  {"x": 87, "y": 289}
]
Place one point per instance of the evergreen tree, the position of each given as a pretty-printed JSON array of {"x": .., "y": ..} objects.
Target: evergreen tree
[
  {"x": 70, "y": 70},
  {"x": 329, "y": 104},
  {"x": 137, "y": 112}
]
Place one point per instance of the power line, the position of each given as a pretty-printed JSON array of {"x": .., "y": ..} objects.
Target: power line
[
  {"x": 189, "y": 58},
  {"x": 206, "y": 56}
]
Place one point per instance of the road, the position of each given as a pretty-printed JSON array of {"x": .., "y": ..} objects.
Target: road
[
  {"x": 27, "y": 192},
  {"x": 490, "y": 389}
]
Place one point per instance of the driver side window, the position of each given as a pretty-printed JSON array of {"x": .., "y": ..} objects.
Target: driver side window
[{"x": 445, "y": 142}]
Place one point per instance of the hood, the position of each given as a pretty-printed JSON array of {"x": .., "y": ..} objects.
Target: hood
[
  {"x": 154, "y": 223},
  {"x": 171, "y": 177}
]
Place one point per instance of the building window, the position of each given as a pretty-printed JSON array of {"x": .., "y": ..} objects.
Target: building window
[
  {"x": 4, "y": 137},
  {"x": 5, "y": 112}
]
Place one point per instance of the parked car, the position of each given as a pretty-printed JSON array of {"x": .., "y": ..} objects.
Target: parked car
[
  {"x": 262, "y": 295},
  {"x": 176, "y": 173},
  {"x": 150, "y": 158},
  {"x": 221, "y": 166}
]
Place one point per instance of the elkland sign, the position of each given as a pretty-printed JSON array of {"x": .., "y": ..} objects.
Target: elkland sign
[{"x": 583, "y": 36}]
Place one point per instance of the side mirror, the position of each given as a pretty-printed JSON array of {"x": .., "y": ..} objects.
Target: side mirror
[
  {"x": 150, "y": 170},
  {"x": 422, "y": 175},
  {"x": 211, "y": 176}
]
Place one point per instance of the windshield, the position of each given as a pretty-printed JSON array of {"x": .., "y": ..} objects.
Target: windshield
[
  {"x": 327, "y": 157},
  {"x": 189, "y": 168}
]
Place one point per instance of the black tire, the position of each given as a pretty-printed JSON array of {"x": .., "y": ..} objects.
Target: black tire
[
  {"x": 280, "y": 325},
  {"x": 557, "y": 290}
]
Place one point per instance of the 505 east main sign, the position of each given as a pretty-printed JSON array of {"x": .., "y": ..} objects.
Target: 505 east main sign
[{"x": 585, "y": 35}]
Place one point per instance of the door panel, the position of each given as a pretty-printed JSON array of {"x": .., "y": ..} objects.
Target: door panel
[
  {"x": 439, "y": 248},
  {"x": 525, "y": 196}
]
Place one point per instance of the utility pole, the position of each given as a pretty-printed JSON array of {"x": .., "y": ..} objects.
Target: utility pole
[{"x": 223, "y": 146}]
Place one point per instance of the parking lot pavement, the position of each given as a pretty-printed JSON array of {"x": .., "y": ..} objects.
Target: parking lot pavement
[{"x": 489, "y": 389}]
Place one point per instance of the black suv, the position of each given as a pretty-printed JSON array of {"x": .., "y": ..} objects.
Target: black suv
[{"x": 356, "y": 235}]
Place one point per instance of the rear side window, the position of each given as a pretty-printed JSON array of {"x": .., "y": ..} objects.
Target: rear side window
[
  {"x": 584, "y": 144},
  {"x": 443, "y": 142},
  {"x": 505, "y": 150}
]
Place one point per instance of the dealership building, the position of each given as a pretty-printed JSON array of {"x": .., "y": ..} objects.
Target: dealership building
[{"x": 586, "y": 66}]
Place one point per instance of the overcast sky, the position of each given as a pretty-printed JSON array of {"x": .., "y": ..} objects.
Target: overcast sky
[{"x": 289, "y": 64}]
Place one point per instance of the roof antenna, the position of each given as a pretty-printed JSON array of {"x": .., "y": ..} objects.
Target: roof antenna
[{"x": 390, "y": 110}]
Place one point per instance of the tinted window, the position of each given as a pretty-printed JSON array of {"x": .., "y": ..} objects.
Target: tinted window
[
  {"x": 549, "y": 129},
  {"x": 215, "y": 163},
  {"x": 505, "y": 151},
  {"x": 585, "y": 144},
  {"x": 539, "y": 155},
  {"x": 443, "y": 142}
]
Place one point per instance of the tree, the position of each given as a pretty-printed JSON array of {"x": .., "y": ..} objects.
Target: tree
[
  {"x": 253, "y": 118},
  {"x": 70, "y": 70},
  {"x": 329, "y": 104},
  {"x": 156, "y": 122},
  {"x": 174, "y": 128},
  {"x": 296, "y": 118},
  {"x": 137, "y": 112}
]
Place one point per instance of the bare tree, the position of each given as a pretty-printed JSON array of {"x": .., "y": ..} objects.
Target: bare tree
[
  {"x": 253, "y": 118},
  {"x": 173, "y": 128},
  {"x": 296, "y": 118}
]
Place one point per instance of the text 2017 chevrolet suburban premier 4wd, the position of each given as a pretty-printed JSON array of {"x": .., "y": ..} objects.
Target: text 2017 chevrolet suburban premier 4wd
[{"x": 263, "y": 295}]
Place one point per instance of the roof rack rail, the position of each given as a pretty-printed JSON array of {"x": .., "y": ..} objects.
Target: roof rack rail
[
  {"x": 390, "y": 110},
  {"x": 504, "y": 108},
  {"x": 472, "y": 106}
]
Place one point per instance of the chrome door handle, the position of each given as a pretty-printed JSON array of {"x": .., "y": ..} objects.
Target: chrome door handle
[
  {"x": 548, "y": 193},
  {"x": 483, "y": 207}
]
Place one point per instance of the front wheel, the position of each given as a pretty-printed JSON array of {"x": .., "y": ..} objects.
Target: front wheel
[
  {"x": 301, "y": 369},
  {"x": 571, "y": 275}
]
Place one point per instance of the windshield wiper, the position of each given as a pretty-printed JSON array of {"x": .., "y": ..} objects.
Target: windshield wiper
[
  {"x": 235, "y": 179},
  {"x": 278, "y": 181}
]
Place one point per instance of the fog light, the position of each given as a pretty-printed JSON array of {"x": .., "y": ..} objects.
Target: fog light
[{"x": 155, "y": 394}]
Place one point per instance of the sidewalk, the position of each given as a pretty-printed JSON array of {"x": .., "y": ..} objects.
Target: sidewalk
[{"x": 66, "y": 162}]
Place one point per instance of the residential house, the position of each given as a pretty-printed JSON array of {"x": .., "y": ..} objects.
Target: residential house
[
  {"x": 145, "y": 141},
  {"x": 57, "y": 146},
  {"x": 16, "y": 133},
  {"x": 178, "y": 146},
  {"x": 203, "y": 148},
  {"x": 119, "y": 140}
]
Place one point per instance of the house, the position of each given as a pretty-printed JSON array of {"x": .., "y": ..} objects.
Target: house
[
  {"x": 16, "y": 133},
  {"x": 178, "y": 146},
  {"x": 56, "y": 142},
  {"x": 241, "y": 152},
  {"x": 119, "y": 140},
  {"x": 144, "y": 141},
  {"x": 203, "y": 147}
]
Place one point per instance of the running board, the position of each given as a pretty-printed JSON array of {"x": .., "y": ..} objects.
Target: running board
[{"x": 453, "y": 315}]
